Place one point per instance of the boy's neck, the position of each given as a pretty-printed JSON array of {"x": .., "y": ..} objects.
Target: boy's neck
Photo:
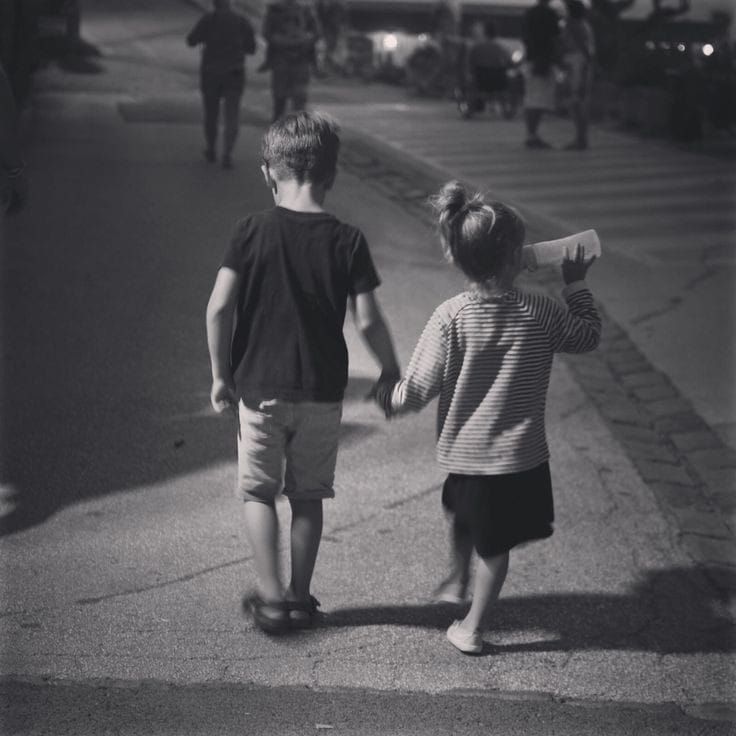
[{"x": 300, "y": 197}]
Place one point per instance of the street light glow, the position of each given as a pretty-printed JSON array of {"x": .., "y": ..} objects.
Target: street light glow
[
  {"x": 390, "y": 42},
  {"x": 708, "y": 49}
]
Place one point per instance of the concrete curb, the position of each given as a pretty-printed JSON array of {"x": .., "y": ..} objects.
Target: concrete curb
[{"x": 685, "y": 463}]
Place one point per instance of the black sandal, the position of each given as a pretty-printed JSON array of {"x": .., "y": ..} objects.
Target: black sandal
[
  {"x": 271, "y": 617},
  {"x": 302, "y": 614}
]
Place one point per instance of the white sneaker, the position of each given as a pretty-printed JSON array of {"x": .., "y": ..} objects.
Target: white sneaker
[{"x": 468, "y": 643}]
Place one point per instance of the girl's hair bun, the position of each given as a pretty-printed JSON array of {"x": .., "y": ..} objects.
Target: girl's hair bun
[
  {"x": 479, "y": 237},
  {"x": 452, "y": 200},
  {"x": 449, "y": 200}
]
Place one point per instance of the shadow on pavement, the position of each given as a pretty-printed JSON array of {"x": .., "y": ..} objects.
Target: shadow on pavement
[
  {"x": 62, "y": 446},
  {"x": 76, "y": 56},
  {"x": 672, "y": 611}
]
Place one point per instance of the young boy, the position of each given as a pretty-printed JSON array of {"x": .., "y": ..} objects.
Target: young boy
[{"x": 284, "y": 285}]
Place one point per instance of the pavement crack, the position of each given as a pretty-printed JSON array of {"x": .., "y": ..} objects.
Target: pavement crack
[
  {"x": 22, "y": 612},
  {"x": 164, "y": 583},
  {"x": 708, "y": 273},
  {"x": 413, "y": 497},
  {"x": 573, "y": 410},
  {"x": 672, "y": 304},
  {"x": 332, "y": 532}
]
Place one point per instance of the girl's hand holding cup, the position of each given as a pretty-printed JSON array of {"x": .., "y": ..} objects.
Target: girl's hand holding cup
[{"x": 574, "y": 269}]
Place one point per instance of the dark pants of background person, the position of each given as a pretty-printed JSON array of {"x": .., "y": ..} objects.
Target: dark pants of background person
[
  {"x": 289, "y": 82},
  {"x": 227, "y": 86}
]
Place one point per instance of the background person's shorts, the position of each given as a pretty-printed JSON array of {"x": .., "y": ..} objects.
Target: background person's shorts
[
  {"x": 222, "y": 84},
  {"x": 502, "y": 511},
  {"x": 580, "y": 77},
  {"x": 290, "y": 80},
  {"x": 287, "y": 445},
  {"x": 539, "y": 90}
]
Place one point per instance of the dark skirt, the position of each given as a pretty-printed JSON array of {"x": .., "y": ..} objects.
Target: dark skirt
[{"x": 501, "y": 511}]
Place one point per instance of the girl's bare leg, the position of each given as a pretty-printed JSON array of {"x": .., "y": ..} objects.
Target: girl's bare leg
[
  {"x": 489, "y": 579},
  {"x": 456, "y": 583}
]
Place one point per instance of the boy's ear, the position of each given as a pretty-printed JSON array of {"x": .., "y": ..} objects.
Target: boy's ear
[
  {"x": 270, "y": 181},
  {"x": 330, "y": 182}
]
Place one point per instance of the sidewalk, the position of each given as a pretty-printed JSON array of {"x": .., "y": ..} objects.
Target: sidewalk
[
  {"x": 626, "y": 607},
  {"x": 667, "y": 222}
]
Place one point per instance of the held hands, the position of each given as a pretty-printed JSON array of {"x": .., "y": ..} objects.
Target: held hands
[
  {"x": 382, "y": 390},
  {"x": 223, "y": 396},
  {"x": 575, "y": 268}
]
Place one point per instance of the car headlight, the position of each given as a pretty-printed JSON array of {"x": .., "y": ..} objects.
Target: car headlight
[{"x": 390, "y": 42}]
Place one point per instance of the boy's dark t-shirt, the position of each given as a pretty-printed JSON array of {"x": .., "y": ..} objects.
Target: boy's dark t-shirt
[{"x": 297, "y": 270}]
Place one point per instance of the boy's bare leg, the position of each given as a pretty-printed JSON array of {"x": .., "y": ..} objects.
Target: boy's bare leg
[
  {"x": 489, "y": 579},
  {"x": 306, "y": 534},
  {"x": 262, "y": 527}
]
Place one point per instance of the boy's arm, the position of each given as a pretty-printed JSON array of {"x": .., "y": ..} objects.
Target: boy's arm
[
  {"x": 373, "y": 330},
  {"x": 220, "y": 315}
]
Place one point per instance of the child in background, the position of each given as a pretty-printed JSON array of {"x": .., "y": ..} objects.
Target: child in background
[
  {"x": 487, "y": 353},
  {"x": 285, "y": 283}
]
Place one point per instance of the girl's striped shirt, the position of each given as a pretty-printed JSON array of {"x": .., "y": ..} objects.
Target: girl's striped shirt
[{"x": 489, "y": 360}]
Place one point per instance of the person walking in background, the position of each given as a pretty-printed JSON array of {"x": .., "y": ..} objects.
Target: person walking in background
[
  {"x": 487, "y": 353},
  {"x": 541, "y": 42},
  {"x": 285, "y": 283},
  {"x": 290, "y": 30},
  {"x": 13, "y": 183},
  {"x": 578, "y": 44},
  {"x": 332, "y": 17},
  {"x": 227, "y": 38}
]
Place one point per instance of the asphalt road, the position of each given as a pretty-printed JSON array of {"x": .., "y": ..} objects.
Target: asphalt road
[
  {"x": 145, "y": 709},
  {"x": 125, "y": 559}
]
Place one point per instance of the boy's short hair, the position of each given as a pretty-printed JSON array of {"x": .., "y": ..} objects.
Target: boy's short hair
[{"x": 303, "y": 146}]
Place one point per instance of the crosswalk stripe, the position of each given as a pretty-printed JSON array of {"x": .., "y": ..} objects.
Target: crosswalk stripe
[
  {"x": 595, "y": 190},
  {"x": 625, "y": 190},
  {"x": 578, "y": 176}
]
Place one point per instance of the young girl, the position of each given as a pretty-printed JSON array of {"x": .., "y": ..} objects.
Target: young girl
[{"x": 487, "y": 353}]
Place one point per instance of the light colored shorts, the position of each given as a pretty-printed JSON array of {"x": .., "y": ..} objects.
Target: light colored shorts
[
  {"x": 580, "y": 76},
  {"x": 539, "y": 91},
  {"x": 289, "y": 446}
]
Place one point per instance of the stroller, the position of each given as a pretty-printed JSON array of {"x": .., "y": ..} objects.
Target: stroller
[{"x": 487, "y": 76}]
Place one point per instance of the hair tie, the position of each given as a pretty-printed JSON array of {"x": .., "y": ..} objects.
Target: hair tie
[{"x": 463, "y": 210}]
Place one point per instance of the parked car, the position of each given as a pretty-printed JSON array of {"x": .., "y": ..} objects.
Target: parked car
[{"x": 416, "y": 43}]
